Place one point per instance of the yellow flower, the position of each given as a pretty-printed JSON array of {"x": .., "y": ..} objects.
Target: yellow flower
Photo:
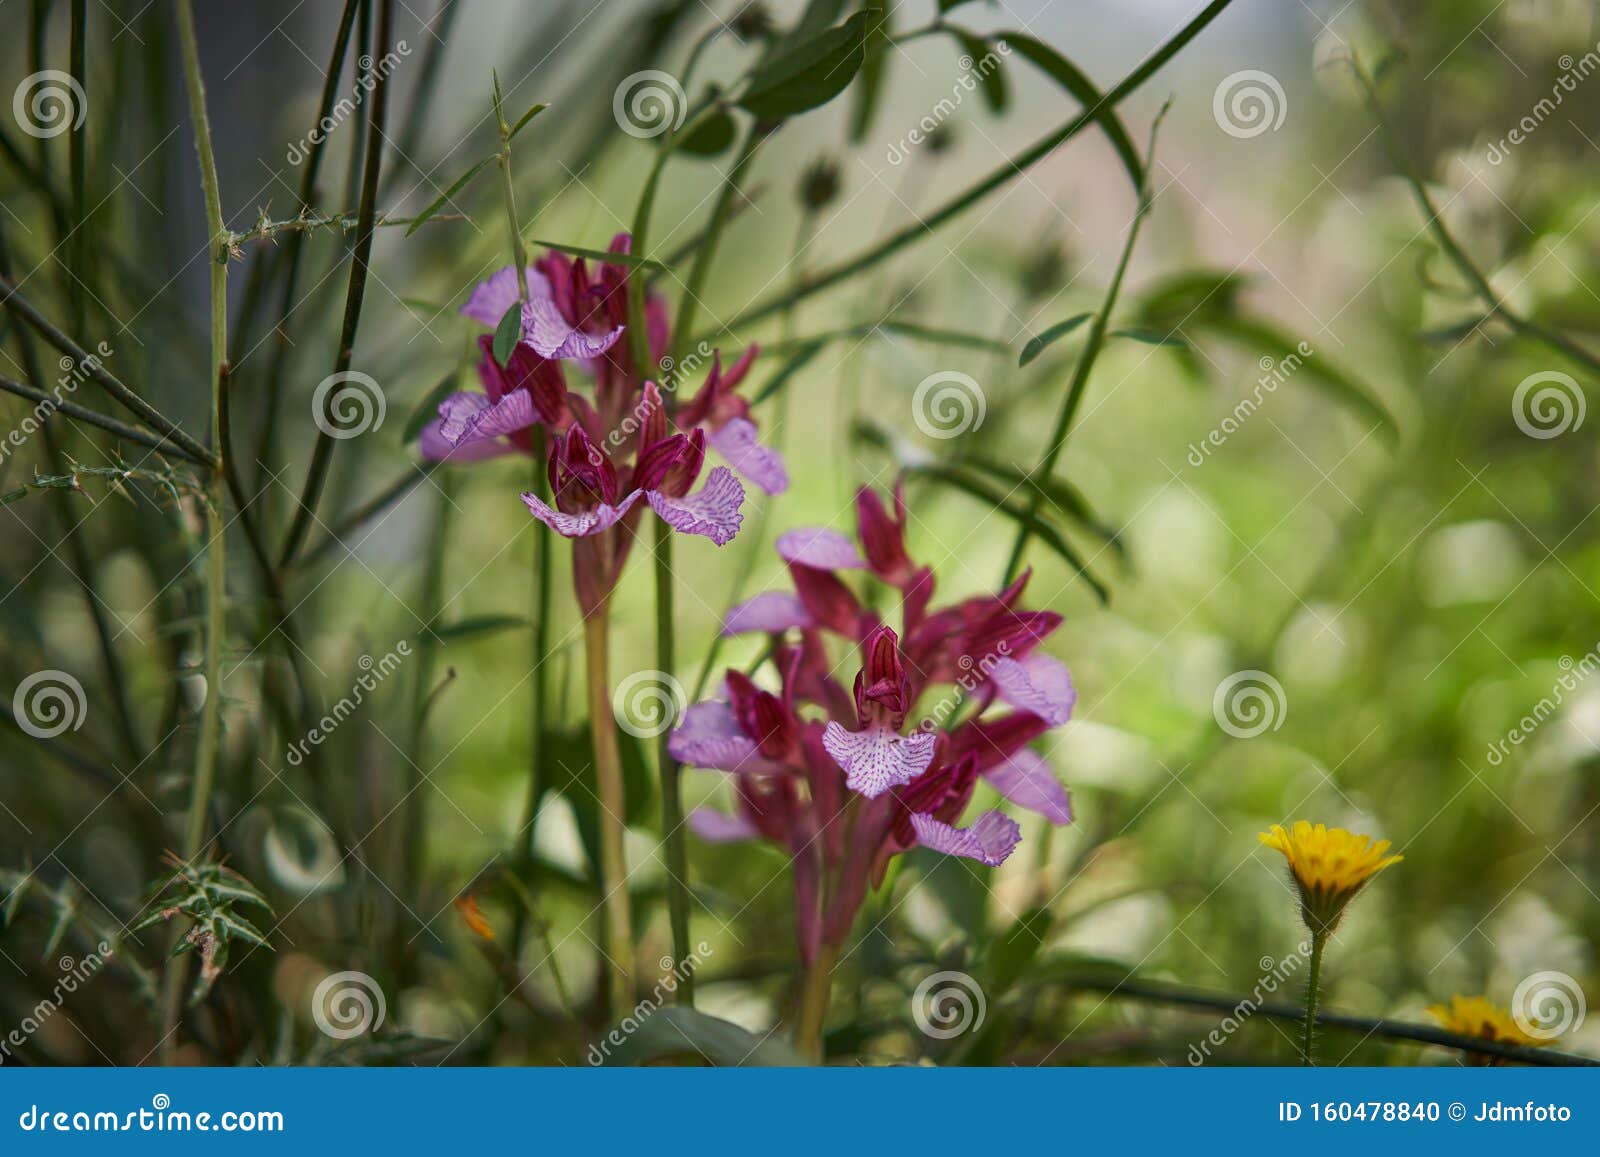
[
  {"x": 1329, "y": 866},
  {"x": 1476, "y": 1016}
]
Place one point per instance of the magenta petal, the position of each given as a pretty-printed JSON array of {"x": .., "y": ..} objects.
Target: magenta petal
[
  {"x": 437, "y": 448},
  {"x": 877, "y": 759},
  {"x": 719, "y": 827},
  {"x": 1028, "y": 781},
  {"x": 736, "y": 441},
  {"x": 710, "y": 737},
  {"x": 585, "y": 522},
  {"x": 468, "y": 417},
  {"x": 771, "y": 612},
  {"x": 819, "y": 548},
  {"x": 550, "y": 335},
  {"x": 1038, "y": 684},
  {"x": 490, "y": 299},
  {"x": 989, "y": 841},
  {"x": 713, "y": 510}
]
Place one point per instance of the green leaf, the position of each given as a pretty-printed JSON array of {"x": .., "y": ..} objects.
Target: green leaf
[
  {"x": 710, "y": 137},
  {"x": 1037, "y": 345},
  {"x": 508, "y": 333},
  {"x": 448, "y": 195},
  {"x": 427, "y": 409},
  {"x": 874, "y": 69},
  {"x": 1070, "y": 77},
  {"x": 809, "y": 75},
  {"x": 477, "y": 625},
  {"x": 1152, "y": 336},
  {"x": 685, "y": 1033},
  {"x": 627, "y": 260},
  {"x": 992, "y": 83},
  {"x": 523, "y": 120}
]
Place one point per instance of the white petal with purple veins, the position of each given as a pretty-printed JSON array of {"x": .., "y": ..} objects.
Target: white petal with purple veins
[
  {"x": 770, "y": 612},
  {"x": 989, "y": 841},
  {"x": 710, "y": 737},
  {"x": 713, "y": 510},
  {"x": 736, "y": 441},
  {"x": 719, "y": 827},
  {"x": 1038, "y": 684},
  {"x": 550, "y": 335},
  {"x": 819, "y": 547},
  {"x": 877, "y": 759},
  {"x": 585, "y": 522},
  {"x": 1028, "y": 781},
  {"x": 490, "y": 299}
]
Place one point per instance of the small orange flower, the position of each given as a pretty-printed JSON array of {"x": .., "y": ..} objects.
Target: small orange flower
[
  {"x": 1477, "y": 1016},
  {"x": 1329, "y": 867},
  {"x": 473, "y": 916}
]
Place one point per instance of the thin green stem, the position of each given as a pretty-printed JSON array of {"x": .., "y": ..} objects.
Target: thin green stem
[
  {"x": 1003, "y": 175},
  {"x": 613, "y": 808},
  {"x": 1313, "y": 984}
]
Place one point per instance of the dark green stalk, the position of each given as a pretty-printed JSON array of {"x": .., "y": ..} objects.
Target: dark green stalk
[
  {"x": 1319, "y": 941},
  {"x": 1042, "y": 473},
  {"x": 322, "y": 454},
  {"x": 1001, "y": 176}
]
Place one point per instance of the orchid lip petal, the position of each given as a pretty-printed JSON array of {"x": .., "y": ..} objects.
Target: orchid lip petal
[
  {"x": 712, "y": 511},
  {"x": 584, "y": 522},
  {"x": 820, "y": 548},
  {"x": 876, "y": 759},
  {"x": 1038, "y": 684},
  {"x": 989, "y": 840},
  {"x": 771, "y": 612}
]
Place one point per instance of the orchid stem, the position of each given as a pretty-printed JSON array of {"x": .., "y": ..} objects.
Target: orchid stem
[
  {"x": 1313, "y": 983},
  {"x": 613, "y": 826},
  {"x": 815, "y": 991}
]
